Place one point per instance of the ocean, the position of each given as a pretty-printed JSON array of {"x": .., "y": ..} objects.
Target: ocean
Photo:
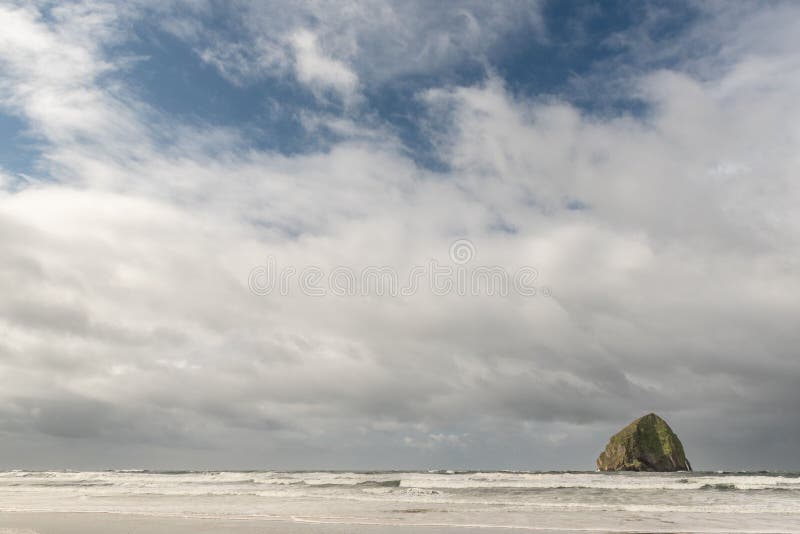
[{"x": 435, "y": 501}]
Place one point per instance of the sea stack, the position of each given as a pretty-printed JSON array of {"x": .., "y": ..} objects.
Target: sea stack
[{"x": 647, "y": 444}]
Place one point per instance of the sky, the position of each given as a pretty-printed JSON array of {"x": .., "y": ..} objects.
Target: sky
[{"x": 160, "y": 160}]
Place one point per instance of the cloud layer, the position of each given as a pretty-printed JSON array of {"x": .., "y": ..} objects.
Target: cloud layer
[{"x": 669, "y": 238}]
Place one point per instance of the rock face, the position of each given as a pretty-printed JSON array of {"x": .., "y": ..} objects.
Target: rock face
[{"x": 647, "y": 444}]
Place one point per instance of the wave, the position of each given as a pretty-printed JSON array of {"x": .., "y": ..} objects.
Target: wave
[
  {"x": 650, "y": 501},
  {"x": 381, "y": 483},
  {"x": 223, "y": 482},
  {"x": 720, "y": 487}
]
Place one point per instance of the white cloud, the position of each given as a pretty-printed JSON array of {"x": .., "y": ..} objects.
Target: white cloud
[
  {"x": 320, "y": 72},
  {"x": 53, "y": 71},
  {"x": 241, "y": 63}
]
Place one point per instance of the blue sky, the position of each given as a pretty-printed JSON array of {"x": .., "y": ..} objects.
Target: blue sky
[
  {"x": 641, "y": 156},
  {"x": 564, "y": 52}
]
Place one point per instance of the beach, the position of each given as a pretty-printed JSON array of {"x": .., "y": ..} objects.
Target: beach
[
  {"x": 63, "y": 502},
  {"x": 84, "y": 523}
]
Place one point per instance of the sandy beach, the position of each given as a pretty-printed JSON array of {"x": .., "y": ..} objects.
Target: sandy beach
[
  {"x": 90, "y": 523},
  {"x": 103, "y": 523}
]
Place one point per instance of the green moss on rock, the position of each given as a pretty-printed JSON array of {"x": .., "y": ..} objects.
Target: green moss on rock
[{"x": 647, "y": 444}]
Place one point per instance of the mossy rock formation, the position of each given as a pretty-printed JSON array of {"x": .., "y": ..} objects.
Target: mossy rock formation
[{"x": 647, "y": 444}]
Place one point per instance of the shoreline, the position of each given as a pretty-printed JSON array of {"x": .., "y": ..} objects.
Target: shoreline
[{"x": 27, "y": 522}]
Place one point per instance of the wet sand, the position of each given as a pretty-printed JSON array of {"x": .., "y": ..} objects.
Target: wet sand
[{"x": 101, "y": 523}]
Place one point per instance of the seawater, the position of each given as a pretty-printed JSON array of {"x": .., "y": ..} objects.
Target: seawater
[{"x": 580, "y": 501}]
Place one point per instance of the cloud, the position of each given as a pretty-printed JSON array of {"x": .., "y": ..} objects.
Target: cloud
[
  {"x": 432, "y": 441},
  {"x": 127, "y": 311},
  {"x": 320, "y": 72}
]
